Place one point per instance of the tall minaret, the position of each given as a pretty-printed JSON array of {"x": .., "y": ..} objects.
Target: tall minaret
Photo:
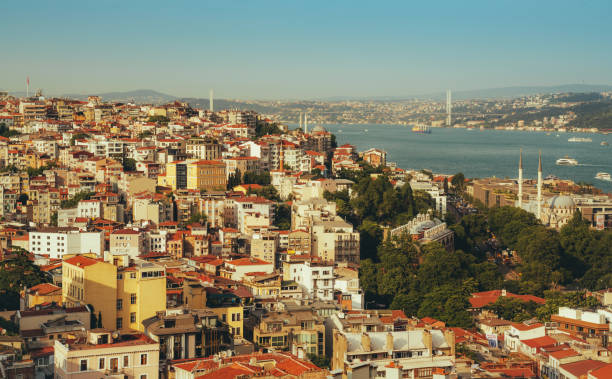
[
  {"x": 300, "y": 120},
  {"x": 211, "y": 100},
  {"x": 520, "y": 180},
  {"x": 539, "y": 210},
  {"x": 306, "y": 123}
]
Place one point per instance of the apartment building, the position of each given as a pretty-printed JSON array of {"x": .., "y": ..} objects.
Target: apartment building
[
  {"x": 58, "y": 241},
  {"x": 264, "y": 246},
  {"x": 107, "y": 354},
  {"x": 203, "y": 149},
  {"x": 188, "y": 333},
  {"x": 123, "y": 293},
  {"x": 128, "y": 241},
  {"x": 198, "y": 175},
  {"x": 333, "y": 240},
  {"x": 415, "y": 353},
  {"x": 298, "y": 332},
  {"x": 316, "y": 279},
  {"x": 154, "y": 210}
]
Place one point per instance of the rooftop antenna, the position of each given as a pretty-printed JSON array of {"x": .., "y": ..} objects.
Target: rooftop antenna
[{"x": 211, "y": 100}]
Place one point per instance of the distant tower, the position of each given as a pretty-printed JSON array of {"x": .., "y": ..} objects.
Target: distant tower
[
  {"x": 448, "y": 107},
  {"x": 539, "y": 210},
  {"x": 212, "y": 109},
  {"x": 520, "y": 180},
  {"x": 28, "y": 86},
  {"x": 306, "y": 123},
  {"x": 301, "y": 121}
]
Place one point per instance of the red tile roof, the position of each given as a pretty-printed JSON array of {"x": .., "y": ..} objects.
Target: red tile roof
[
  {"x": 540, "y": 342},
  {"x": 81, "y": 261},
  {"x": 481, "y": 299},
  {"x": 44, "y": 289},
  {"x": 582, "y": 367},
  {"x": 604, "y": 372}
]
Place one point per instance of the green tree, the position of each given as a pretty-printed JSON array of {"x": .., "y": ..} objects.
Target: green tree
[
  {"x": 458, "y": 182},
  {"x": 129, "y": 164},
  {"x": 197, "y": 218},
  {"x": 282, "y": 216},
  {"x": 16, "y": 272},
  {"x": 321, "y": 361},
  {"x": 370, "y": 235}
]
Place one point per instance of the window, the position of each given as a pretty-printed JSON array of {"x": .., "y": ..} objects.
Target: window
[
  {"x": 101, "y": 364},
  {"x": 143, "y": 359},
  {"x": 143, "y": 376},
  {"x": 83, "y": 364},
  {"x": 119, "y": 304},
  {"x": 114, "y": 364},
  {"x": 133, "y": 298},
  {"x": 119, "y": 323},
  {"x": 224, "y": 317},
  {"x": 133, "y": 317},
  {"x": 133, "y": 275},
  {"x": 126, "y": 361},
  {"x": 119, "y": 276}
]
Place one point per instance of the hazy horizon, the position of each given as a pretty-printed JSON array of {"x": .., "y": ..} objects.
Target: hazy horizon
[{"x": 285, "y": 50}]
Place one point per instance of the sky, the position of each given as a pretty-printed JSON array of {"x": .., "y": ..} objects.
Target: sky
[{"x": 302, "y": 49}]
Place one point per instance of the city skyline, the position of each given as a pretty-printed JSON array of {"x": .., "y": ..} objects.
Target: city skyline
[{"x": 276, "y": 50}]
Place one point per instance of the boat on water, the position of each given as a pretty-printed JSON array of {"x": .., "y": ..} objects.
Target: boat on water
[
  {"x": 603, "y": 176},
  {"x": 567, "y": 161},
  {"x": 423, "y": 129},
  {"x": 365, "y": 130},
  {"x": 604, "y": 143},
  {"x": 579, "y": 139}
]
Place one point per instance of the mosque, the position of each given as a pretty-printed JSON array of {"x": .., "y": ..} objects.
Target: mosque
[{"x": 555, "y": 212}]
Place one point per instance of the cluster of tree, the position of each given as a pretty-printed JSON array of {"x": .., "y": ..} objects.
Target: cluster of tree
[
  {"x": 249, "y": 177},
  {"x": 77, "y": 136},
  {"x": 426, "y": 280},
  {"x": 6, "y": 132},
  {"x": 282, "y": 216},
  {"x": 32, "y": 172},
  {"x": 376, "y": 202},
  {"x": 321, "y": 361},
  {"x": 145, "y": 134},
  {"x": 263, "y": 128},
  {"x": 161, "y": 120},
  {"x": 268, "y": 192},
  {"x": 516, "y": 310},
  {"x": 16, "y": 272},
  {"x": 575, "y": 256},
  {"x": 197, "y": 217},
  {"x": 129, "y": 164},
  {"x": 74, "y": 201}
]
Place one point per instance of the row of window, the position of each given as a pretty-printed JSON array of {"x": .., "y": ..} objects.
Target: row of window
[
  {"x": 119, "y": 322},
  {"x": 113, "y": 363}
]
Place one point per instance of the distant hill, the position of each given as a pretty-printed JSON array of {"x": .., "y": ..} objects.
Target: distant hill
[
  {"x": 141, "y": 96},
  {"x": 220, "y": 104}
]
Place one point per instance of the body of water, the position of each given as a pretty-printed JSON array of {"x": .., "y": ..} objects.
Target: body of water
[{"x": 484, "y": 153}]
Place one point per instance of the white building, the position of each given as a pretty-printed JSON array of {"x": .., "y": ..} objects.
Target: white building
[
  {"x": 521, "y": 331},
  {"x": 315, "y": 279},
  {"x": 89, "y": 209},
  {"x": 238, "y": 268},
  {"x": 56, "y": 242}
]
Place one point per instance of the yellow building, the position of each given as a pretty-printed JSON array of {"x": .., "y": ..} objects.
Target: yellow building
[
  {"x": 122, "y": 294},
  {"x": 228, "y": 307},
  {"x": 195, "y": 175},
  {"x": 43, "y": 293}
]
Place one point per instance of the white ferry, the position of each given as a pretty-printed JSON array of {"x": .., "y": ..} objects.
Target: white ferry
[
  {"x": 567, "y": 162},
  {"x": 603, "y": 176},
  {"x": 579, "y": 139}
]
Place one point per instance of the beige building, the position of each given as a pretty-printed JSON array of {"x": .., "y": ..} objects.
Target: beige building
[
  {"x": 333, "y": 240},
  {"x": 157, "y": 211},
  {"x": 264, "y": 246},
  {"x": 109, "y": 355},
  {"x": 127, "y": 241}
]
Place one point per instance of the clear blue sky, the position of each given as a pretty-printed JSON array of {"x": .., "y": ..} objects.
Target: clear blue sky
[{"x": 302, "y": 49}]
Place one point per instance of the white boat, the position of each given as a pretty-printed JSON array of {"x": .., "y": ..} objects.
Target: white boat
[
  {"x": 604, "y": 143},
  {"x": 603, "y": 176},
  {"x": 567, "y": 162},
  {"x": 579, "y": 139}
]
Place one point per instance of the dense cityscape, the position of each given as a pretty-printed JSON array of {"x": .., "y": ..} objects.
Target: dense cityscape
[
  {"x": 171, "y": 241},
  {"x": 306, "y": 190}
]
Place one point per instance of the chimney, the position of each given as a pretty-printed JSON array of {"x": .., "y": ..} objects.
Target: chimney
[
  {"x": 427, "y": 341},
  {"x": 389, "y": 344},
  {"x": 366, "y": 343}
]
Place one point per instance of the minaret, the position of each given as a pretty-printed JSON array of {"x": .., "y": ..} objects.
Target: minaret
[
  {"x": 306, "y": 123},
  {"x": 211, "y": 100},
  {"x": 539, "y": 210},
  {"x": 520, "y": 180},
  {"x": 300, "y": 120}
]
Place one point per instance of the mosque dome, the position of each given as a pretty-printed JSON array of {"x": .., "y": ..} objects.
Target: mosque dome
[
  {"x": 561, "y": 201},
  {"x": 318, "y": 128}
]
